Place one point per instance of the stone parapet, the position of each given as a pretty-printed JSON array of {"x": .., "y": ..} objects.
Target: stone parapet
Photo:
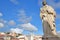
[{"x": 50, "y": 38}]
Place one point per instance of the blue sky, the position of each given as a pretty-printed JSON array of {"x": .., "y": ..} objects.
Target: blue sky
[{"x": 13, "y": 13}]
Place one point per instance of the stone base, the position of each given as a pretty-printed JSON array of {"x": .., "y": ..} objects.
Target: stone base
[{"x": 50, "y": 38}]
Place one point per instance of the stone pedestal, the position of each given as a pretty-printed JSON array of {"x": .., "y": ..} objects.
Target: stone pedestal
[{"x": 50, "y": 38}]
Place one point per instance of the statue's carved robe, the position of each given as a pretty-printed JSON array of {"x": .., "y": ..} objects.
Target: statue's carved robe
[{"x": 48, "y": 15}]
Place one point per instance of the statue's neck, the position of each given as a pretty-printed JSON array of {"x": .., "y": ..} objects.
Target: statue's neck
[{"x": 45, "y": 6}]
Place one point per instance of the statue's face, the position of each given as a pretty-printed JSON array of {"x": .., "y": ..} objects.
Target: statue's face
[{"x": 44, "y": 3}]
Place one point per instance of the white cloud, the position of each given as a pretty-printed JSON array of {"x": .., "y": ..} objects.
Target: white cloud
[
  {"x": 14, "y": 1},
  {"x": 23, "y": 18},
  {"x": 3, "y": 21},
  {"x": 1, "y": 24},
  {"x": 16, "y": 30},
  {"x": 1, "y": 14},
  {"x": 22, "y": 11},
  {"x": 12, "y": 22},
  {"x": 29, "y": 27}
]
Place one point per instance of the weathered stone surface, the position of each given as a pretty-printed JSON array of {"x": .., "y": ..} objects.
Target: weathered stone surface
[
  {"x": 50, "y": 38},
  {"x": 47, "y": 15}
]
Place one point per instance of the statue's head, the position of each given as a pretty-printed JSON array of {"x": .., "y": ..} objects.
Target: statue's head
[{"x": 44, "y": 3}]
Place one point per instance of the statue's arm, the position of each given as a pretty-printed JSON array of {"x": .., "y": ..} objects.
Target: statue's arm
[
  {"x": 54, "y": 14},
  {"x": 41, "y": 13},
  {"x": 50, "y": 10}
]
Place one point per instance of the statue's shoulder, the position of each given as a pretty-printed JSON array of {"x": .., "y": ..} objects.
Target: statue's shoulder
[
  {"x": 49, "y": 7},
  {"x": 44, "y": 7}
]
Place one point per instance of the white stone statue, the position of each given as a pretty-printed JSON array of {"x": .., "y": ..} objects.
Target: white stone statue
[{"x": 48, "y": 16}]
